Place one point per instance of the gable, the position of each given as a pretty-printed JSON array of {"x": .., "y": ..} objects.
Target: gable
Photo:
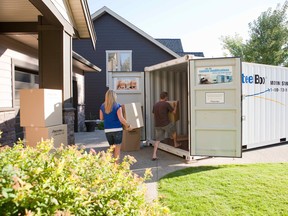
[{"x": 98, "y": 14}]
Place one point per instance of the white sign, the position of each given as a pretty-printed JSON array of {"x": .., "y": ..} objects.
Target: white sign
[{"x": 215, "y": 97}]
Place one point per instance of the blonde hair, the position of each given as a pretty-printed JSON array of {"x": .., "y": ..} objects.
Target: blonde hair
[{"x": 110, "y": 100}]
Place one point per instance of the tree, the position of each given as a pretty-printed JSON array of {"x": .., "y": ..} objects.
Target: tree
[
  {"x": 234, "y": 45},
  {"x": 268, "y": 43}
]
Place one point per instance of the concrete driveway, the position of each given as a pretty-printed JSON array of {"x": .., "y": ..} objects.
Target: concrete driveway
[{"x": 168, "y": 162}]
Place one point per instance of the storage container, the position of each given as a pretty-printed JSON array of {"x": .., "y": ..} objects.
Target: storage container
[{"x": 225, "y": 105}]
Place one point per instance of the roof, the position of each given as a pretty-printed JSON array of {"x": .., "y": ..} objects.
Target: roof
[
  {"x": 21, "y": 16},
  {"x": 198, "y": 54},
  {"x": 176, "y": 46},
  {"x": 83, "y": 63},
  {"x": 105, "y": 9},
  {"x": 173, "y": 44}
]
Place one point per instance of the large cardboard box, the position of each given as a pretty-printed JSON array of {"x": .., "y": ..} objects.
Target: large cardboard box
[
  {"x": 40, "y": 107},
  {"x": 33, "y": 135},
  {"x": 174, "y": 117},
  {"x": 131, "y": 140},
  {"x": 132, "y": 112}
]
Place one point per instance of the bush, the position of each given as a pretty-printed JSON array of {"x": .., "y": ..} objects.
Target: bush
[
  {"x": 100, "y": 125},
  {"x": 69, "y": 181}
]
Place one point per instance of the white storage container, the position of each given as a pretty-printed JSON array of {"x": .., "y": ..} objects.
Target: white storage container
[
  {"x": 225, "y": 105},
  {"x": 264, "y": 104}
]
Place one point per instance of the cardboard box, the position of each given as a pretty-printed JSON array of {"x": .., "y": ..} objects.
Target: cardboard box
[
  {"x": 132, "y": 112},
  {"x": 174, "y": 117},
  {"x": 40, "y": 107},
  {"x": 33, "y": 135},
  {"x": 131, "y": 140}
]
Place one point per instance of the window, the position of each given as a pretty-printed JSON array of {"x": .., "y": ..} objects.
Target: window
[
  {"x": 24, "y": 80},
  {"x": 118, "y": 60}
]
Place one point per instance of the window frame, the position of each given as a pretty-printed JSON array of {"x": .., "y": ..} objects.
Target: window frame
[
  {"x": 25, "y": 67},
  {"x": 118, "y": 61}
]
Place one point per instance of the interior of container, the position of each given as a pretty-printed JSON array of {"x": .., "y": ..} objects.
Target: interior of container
[{"x": 174, "y": 80}]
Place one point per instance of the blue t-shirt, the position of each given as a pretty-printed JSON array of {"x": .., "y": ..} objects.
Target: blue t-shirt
[{"x": 111, "y": 120}]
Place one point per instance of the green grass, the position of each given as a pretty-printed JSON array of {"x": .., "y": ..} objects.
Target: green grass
[{"x": 253, "y": 189}]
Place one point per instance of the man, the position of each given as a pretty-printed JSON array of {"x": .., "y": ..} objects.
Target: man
[{"x": 162, "y": 123}]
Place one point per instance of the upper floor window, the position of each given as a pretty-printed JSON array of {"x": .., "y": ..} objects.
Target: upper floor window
[{"x": 119, "y": 60}]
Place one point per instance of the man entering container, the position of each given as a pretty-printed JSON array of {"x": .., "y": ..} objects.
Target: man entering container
[{"x": 162, "y": 122}]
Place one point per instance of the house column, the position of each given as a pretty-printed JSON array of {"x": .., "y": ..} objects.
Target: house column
[{"x": 55, "y": 67}]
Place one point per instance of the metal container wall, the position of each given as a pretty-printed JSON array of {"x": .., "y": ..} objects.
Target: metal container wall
[
  {"x": 264, "y": 104},
  {"x": 264, "y": 100},
  {"x": 176, "y": 84}
]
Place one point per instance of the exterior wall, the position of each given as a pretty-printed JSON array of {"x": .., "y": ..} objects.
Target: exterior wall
[
  {"x": 114, "y": 35},
  {"x": 80, "y": 106},
  {"x": 12, "y": 53},
  {"x": 7, "y": 126},
  {"x": 68, "y": 116}
]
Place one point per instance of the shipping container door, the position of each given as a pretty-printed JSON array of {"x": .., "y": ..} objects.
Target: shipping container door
[{"x": 215, "y": 104}]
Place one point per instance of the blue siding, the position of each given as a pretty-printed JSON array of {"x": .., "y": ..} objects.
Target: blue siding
[{"x": 114, "y": 35}]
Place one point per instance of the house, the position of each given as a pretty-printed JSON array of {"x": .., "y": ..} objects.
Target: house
[
  {"x": 121, "y": 47},
  {"x": 36, "y": 52}
]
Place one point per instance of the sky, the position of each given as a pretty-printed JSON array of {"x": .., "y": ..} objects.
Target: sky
[{"x": 199, "y": 24}]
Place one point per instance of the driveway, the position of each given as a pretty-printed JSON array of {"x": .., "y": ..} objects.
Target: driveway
[{"x": 168, "y": 162}]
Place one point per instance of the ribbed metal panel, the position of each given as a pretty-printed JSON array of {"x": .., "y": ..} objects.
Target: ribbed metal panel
[
  {"x": 264, "y": 104},
  {"x": 176, "y": 84}
]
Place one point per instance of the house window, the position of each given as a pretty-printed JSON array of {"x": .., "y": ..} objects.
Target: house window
[
  {"x": 118, "y": 60},
  {"x": 24, "y": 79}
]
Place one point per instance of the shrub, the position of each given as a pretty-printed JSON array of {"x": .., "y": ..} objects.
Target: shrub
[
  {"x": 69, "y": 181},
  {"x": 100, "y": 125}
]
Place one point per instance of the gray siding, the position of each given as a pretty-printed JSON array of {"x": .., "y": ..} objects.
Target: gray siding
[
  {"x": 5, "y": 80},
  {"x": 114, "y": 35}
]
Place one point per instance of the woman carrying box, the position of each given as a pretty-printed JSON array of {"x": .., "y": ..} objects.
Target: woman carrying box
[{"x": 111, "y": 113}]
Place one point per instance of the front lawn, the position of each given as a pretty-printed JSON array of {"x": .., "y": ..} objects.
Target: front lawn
[{"x": 254, "y": 189}]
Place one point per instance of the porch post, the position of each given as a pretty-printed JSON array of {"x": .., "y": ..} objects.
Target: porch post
[{"x": 55, "y": 66}]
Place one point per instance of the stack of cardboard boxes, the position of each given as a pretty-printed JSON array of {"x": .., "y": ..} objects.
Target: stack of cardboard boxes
[
  {"x": 41, "y": 115},
  {"x": 132, "y": 112}
]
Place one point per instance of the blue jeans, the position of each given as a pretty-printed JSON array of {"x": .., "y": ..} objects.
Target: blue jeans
[{"x": 114, "y": 138}]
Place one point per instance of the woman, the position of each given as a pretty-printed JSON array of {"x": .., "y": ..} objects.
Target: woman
[{"x": 111, "y": 113}]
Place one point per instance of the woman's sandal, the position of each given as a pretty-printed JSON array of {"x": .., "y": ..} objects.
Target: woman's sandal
[{"x": 154, "y": 159}]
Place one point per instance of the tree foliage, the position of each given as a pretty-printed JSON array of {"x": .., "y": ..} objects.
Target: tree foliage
[{"x": 268, "y": 42}]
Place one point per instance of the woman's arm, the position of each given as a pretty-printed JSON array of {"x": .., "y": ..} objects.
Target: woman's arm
[
  {"x": 121, "y": 118},
  {"x": 101, "y": 115}
]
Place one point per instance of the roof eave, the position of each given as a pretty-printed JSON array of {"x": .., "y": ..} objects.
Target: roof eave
[
  {"x": 90, "y": 26},
  {"x": 84, "y": 64}
]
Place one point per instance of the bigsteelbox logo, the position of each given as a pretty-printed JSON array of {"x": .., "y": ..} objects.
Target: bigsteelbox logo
[{"x": 257, "y": 79}]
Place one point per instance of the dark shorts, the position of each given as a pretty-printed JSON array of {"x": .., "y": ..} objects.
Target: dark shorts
[
  {"x": 114, "y": 138},
  {"x": 160, "y": 131}
]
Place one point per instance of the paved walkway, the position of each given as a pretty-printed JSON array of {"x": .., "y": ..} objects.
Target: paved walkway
[{"x": 168, "y": 162}]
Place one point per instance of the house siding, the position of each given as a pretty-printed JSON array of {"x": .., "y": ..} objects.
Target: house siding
[
  {"x": 114, "y": 35},
  {"x": 11, "y": 54},
  {"x": 15, "y": 54},
  {"x": 5, "y": 80}
]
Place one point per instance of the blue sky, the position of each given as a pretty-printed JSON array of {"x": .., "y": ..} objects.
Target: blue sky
[{"x": 199, "y": 24}]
